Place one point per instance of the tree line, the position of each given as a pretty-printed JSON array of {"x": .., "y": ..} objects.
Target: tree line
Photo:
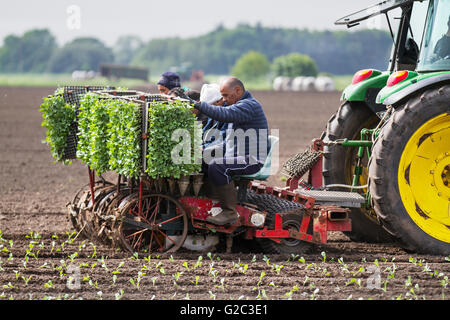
[{"x": 216, "y": 52}]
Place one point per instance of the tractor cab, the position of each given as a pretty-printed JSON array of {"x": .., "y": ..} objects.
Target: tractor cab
[
  {"x": 435, "y": 44},
  {"x": 422, "y": 38}
]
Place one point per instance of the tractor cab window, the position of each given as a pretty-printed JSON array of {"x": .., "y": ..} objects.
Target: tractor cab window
[
  {"x": 435, "y": 51},
  {"x": 409, "y": 54}
]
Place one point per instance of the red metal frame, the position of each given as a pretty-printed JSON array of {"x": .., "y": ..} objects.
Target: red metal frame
[
  {"x": 321, "y": 226},
  {"x": 199, "y": 209}
]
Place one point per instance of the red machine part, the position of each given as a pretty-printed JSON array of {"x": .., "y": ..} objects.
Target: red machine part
[
  {"x": 278, "y": 232},
  {"x": 323, "y": 221},
  {"x": 199, "y": 209},
  {"x": 330, "y": 219},
  {"x": 314, "y": 175},
  {"x": 324, "y": 218}
]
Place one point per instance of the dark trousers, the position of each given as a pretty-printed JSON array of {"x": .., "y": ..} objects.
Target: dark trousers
[{"x": 221, "y": 171}]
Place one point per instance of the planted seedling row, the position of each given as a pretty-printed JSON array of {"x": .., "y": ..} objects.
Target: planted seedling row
[{"x": 65, "y": 267}]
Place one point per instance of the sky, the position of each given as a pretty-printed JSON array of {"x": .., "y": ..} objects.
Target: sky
[{"x": 107, "y": 19}]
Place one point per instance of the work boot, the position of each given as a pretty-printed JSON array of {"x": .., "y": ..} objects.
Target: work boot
[{"x": 228, "y": 202}]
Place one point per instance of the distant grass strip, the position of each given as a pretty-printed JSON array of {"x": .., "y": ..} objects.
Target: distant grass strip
[{"x": 59, "y": 80}]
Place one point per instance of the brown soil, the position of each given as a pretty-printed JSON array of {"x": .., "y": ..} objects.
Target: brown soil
[{"x": 39, "y": 255}]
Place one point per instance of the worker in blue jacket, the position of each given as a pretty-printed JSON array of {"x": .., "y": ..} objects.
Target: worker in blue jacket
[{"x": 245, "y": 146}]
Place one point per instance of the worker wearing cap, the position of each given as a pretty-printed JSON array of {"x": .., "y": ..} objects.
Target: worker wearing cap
[{"x": 168, "y": 81}]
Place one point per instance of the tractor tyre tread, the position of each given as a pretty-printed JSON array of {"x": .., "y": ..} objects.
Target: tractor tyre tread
[
  {"x": 383, "y": 182},
  {"x": 347, "y": 123}
]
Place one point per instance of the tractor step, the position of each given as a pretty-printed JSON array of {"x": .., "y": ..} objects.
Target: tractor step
[{"x": 337, "y": 198}]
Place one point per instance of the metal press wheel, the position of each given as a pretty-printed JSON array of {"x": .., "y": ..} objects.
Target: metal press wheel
[
  {"x": 161, "y": 225},
  {"x": 80, "y": 200},
  {"x": 104, "y": 215},
  {"x": 80, "y": 210}
]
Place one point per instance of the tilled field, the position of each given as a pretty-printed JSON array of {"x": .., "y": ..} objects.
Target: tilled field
[{"x": 41, "y": 257}]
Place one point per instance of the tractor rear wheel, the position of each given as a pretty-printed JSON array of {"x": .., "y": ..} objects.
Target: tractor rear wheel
[
  {"x": 339, "y": 163},
  {"x": 410, "y": 173}
]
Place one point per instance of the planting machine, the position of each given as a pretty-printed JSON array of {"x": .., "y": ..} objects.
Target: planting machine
[
  {"x": 166, "y": 214},
  {"x": 162, "y": 215},
  {"x": 380, "y": 171}
]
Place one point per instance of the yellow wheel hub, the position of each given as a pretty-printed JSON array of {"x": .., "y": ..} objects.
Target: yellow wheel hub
[{"x": 424, "y": 177}]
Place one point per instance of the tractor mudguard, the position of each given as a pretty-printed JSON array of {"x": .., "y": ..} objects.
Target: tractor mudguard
[
  {"x": 367, "y": 91},
  {"x": 399, "y": 92}
]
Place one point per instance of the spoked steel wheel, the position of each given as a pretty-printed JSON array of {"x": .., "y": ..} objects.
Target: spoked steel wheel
[{"x": 157, "y": 223}]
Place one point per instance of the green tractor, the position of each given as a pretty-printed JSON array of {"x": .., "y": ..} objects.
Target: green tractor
[{"x": 390, "y": 138}]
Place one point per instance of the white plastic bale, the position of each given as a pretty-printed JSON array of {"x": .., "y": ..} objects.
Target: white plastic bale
[
  {"x": 324, "y": 84},
  {"x": 297, "y": 83},
  {"x": 286, "y": 84},
  {"x": 83, "y": 75},
  {"x": 277, "y": 83},
  {"x": 282, "y": 83},
  {"x": 78, "y": 75},
  {"x": 308, "y": 84}
]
